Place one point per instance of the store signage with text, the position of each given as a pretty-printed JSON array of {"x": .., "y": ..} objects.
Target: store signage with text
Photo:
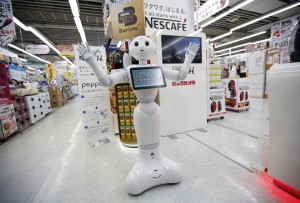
[
  {"x": 37, "y": 49},
  {"x": 7, "y": 26},
  {"x": 128, "y": 20},
  {"x": 65, "y": 50},
  {"x": 208, "y": 9},
  {"x": 168, "y": 15}
]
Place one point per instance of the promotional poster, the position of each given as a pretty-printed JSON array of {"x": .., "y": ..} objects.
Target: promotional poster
[
  {"x": 184, "y": 102},
  {"x": 169, "y": 15},
  {"x": 97, "y": 120},
  {"x": 128, "y": 20},
  {"x": 230, "y": 92},
  {"x": 243, "y": 93},
  {"x": 216, "y": 102},
  {"x": 7, "y": 26}
]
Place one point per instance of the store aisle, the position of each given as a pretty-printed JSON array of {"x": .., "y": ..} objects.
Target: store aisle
[{"x": 53, "y": 162}]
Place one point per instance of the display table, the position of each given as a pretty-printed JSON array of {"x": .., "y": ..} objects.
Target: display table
[{"x": 237, "y": 95}]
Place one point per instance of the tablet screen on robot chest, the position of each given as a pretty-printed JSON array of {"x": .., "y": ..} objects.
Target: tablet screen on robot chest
[{"x": 147, "y": 77}]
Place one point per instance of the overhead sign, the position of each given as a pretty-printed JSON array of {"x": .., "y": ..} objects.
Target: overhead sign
[
  {"x": 7, "y": 26},
  {"x": 50, "y": 72},
  {"x": 37, "y": 49},
  {"x": 65, "y": 50},
  {"x": 168, "y": 15},
  {"x": 208, "y": 9},
  {"x": 128, "y": 20}
]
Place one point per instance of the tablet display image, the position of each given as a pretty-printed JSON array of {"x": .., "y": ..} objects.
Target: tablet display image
[
  {"x": 147, "y": 77},
  {"x": 174, "y": 48}
]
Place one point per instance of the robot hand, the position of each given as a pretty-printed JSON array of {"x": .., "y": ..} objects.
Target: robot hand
[
  {"x": 191, "y": 51},
  {"x": 85, "y": 51}
]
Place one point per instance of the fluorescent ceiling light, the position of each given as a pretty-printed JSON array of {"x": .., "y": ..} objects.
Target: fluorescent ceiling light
[
  {"x": 240, "y": 50},
  {"x": 20, "y": 24},
  {"x": 221, "y": 36},
  {"x": 32, "y": 55},
  {"x": 119, "y": 44},
  {"x": 280, "y": 10},
  {"x": 241, "y": 39},
  {"x": 80, "y": 29},
  {"x": 241, "y": 45},
  {"x": 196, "y": 32},
  {"x": 261, "y": 18},
  {"x": 244, "y": 3},
  {"x": 66, "y": 59},
  {"x": 23, "y": 59},
  {"x": 74, "y": 7},
  {"x": 29, "y": 68},
  {"x": 39, "y": 35}
]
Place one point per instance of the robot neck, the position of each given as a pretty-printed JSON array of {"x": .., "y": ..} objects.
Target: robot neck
[{"x": 143, "y": 62}]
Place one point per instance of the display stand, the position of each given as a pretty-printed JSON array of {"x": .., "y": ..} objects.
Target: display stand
[
  {"x": 126, "y": 102},
  {"x": 216, "y": 93},
  {"x": 237, "y": 94}
]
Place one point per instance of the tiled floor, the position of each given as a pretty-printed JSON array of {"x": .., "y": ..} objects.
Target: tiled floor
[{"x": 52, "y": 162}]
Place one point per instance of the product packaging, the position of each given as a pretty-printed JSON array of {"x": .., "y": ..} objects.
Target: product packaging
[
  {"x": 133, "y": 134},
  {"x": 8, "y": 124},
  {"x": 123, "y": 134},
  {"x": 126, "y": 105},
  {"x": 128, "y": 133},
  {"x": 120, "y": 106},
  {"x": 122, "y": 119},
  {"x": 132, "y": 121},
  {"x": 127, "y": 119},
  {"x": 131, "y": 93},
  {"x": 119, "y": 92},
  {"x": 5, "y": 95},
  {"x": 132, "y": 105},
  {"x": 125, "y": 91}
]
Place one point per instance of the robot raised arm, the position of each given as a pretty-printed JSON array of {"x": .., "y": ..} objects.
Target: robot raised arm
[
  {"x": 184, "y": 71},
  {"x": 104, "y": 79}
]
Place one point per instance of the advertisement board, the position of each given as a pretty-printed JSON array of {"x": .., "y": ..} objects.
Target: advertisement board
[
  {"x": 7, "y": 26},
  {"x": 128, "y": 20},
  {"x": 280, "y": 36},
  {"x": 168, "y": 15},
  {"x": 243, "y": 93},
  {"x": 65, "y": 50},
  {"x": 183, "y": 103},
  {"x": 97, "y": 120},
  {"x": 216, "y": 102}
]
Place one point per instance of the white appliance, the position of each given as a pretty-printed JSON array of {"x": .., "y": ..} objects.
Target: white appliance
[{"x": 283, "y": 82}]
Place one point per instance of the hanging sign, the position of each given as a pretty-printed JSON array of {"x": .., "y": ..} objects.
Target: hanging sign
[
  {"x": 168, "y": 15},
  {"x": 7, "y": 26},
  {"x": 50, "y": 72},
  {"x": 65, "y": 50},
  {"x": 128, "y": 20},
  {"x": 97, "y": 120},
  {"x": 37, "y": 49},
  {"x": 208, "y": 9}
]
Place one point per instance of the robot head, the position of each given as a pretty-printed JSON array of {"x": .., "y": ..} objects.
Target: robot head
[{"x": 142, "y": 48}]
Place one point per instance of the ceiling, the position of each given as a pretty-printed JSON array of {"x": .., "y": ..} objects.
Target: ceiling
[{"x": 55, "y": 21}]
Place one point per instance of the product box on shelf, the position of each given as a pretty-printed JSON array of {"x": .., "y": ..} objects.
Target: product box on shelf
[
  {"x": 8, "y": 124},
  {"x": 5, "y": 95},
  {"x": 19, "y": 101}
]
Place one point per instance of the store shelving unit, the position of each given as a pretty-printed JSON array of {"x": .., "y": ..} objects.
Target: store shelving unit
[{"x": 126, "y": 102}]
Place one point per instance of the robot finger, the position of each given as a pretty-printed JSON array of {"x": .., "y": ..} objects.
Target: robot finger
[{"x": 88, "y": 48}]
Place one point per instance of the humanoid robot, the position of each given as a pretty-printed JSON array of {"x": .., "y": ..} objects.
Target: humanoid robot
[{"x": 152, "y": 167}]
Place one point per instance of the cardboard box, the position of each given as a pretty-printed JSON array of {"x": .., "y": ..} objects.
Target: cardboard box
[
  {"x": 8, "y": 124},
  {"x": 54, "y": 89},
  {"x": 56, "y": 104}
]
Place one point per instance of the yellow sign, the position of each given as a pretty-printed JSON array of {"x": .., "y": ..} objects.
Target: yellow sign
[
  {"x": 128, "y": 20},
  {"x": 50, "y": 72},
  {"x": 66, "y": 50}
]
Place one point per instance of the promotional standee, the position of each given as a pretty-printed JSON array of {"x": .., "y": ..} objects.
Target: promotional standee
[
  {"x": 95, "y": 98},
  {"x": 216, "y": 103},
  {"x": 237, "y": 91},
  {"x": 184, "y": 102},
  {"x": 152, "y": 167}
]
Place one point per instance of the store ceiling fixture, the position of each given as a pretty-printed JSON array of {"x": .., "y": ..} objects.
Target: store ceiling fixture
[
  {"x": 233, "y": 52},
  {"x": 244, "y": 3},
  {"x": 41, "y": 37},
  {"x": 23, "y": 59},
  {"x": 66, "y": 59},
  {"x": 258, "y": 19},
  {"x": 241, "y": 39},
  {"x": 74, "y": 7},
  {"x": 25, "y": 52},
  {"x": 241, "y": 45},
  {"x": 221, "y": 36},
  {"x": 20, "y": 24},
  {"x": 75, "y": 11}
]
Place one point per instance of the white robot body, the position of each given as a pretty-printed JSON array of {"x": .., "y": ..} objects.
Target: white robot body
[{"x": 152, "y": 168}]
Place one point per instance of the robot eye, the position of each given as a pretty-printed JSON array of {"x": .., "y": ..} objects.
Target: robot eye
[
  {"x": 147, "y": 43},
  {"x": 136, "y": 44}
]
